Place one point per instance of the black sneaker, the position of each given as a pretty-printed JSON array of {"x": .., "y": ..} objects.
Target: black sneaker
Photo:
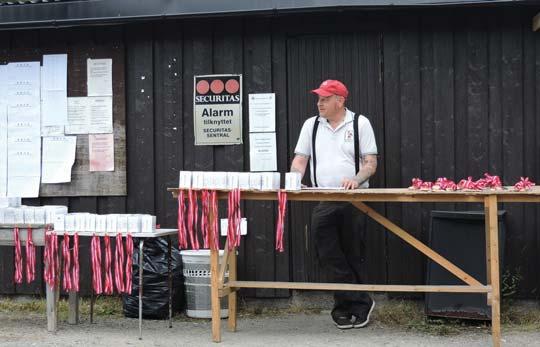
[
  {"x": 342, "y": 321},
  {"x": 362, "y": 319}
]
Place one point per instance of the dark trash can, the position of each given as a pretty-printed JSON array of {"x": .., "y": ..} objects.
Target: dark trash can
[{"x": 460, "y": 237}]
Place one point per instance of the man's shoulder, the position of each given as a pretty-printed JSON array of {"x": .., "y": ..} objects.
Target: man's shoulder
[
  {"x": 363, "y": 121},
  {"x": 310, "y": 121}
]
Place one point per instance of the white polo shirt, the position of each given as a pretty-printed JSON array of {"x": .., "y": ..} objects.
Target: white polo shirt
[{"x": 335, "y": 148}]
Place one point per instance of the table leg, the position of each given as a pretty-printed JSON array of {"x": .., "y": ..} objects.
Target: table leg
[
  {"x": 232, "y": 296},
  {"x": 141, "y": 263},
  {"x": 488, "y": 255},
  {"x": 169, "y": 272},
  {"x": 492, "y": 221},
  {"x": 214, "y": 295},
  {"x": 52, "y": 317},
  {"x": 73, "y": 316}
]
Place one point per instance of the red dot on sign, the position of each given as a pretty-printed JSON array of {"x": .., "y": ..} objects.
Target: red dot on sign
[
  {"x": 232, "y": 86},
  {"x": 216, "y": 86},
  {"x": 203, "y": 87}
]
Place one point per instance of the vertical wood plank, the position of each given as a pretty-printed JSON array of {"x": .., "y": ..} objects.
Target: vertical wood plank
[
  {"x": 140, "y": 119},
  {"x": 168, "y": 118},
  {"x": 392, "y": 138},
  {"x": 261, "y": 215}
]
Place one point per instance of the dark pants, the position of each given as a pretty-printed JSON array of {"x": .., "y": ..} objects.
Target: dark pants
[{"x": 339, "y": 236}]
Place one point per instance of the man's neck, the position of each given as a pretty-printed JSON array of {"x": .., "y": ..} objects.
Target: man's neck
[{"x": 336, "y": 120}]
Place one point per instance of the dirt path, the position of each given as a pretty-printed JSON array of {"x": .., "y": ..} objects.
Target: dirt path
[{"x": 285, "y": 330}]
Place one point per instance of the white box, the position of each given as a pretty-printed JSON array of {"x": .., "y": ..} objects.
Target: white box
[
  {"x": 101, "y": 223},
  {"x": 28, "y": 213},
  {"x": 270, "y": 180},
  {"x": 69, "y": 222},
  {"x": 80, "y": 221},
  {"x": 185, "y": 180},
  {"x": 9, "y": 215},
  {"x": 90, "y": 222},
  {"x": 255, "y": 181},
  {"x": 122, "y": 223},
  {"x": 2, "y": 215},
  {"x": 243, "y": 180},
  {"x": 197, "y": 179},
  {"x": 220, "y": 180},
  {"x": 224, "y": 224},
  {"x": 293, "y": 181},
  {"x": 4, "y": 202},
  {"x": 39, "y": 215},
  {"x": 60, "y": 222},
  {"x": 134, "y": 223},
  {"x": 232, "y": 180},
  {"x": 14, "y": 202},
  {"x": 112, "y": 223},
  {"x": 148, "y": 223},
  {"x": 52, "y": 210},
  {"x": 18, "y": 214},
  {"x": 209, "y": 180}
]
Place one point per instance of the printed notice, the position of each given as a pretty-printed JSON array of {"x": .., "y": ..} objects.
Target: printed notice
[
  {"x": 262, "y": 112},
  {"x": 99, "y": 77},
  {"x": 262, "y": 152},
  {"x": 78, "y": 116},
  {"x": 58, "y": 158},
  {"x": 101, "y": 152},
  {"x": 100, "y": 109}
]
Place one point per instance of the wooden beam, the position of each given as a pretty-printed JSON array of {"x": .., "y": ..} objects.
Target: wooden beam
[
  {"x": 358, "y": 287},
  {"x": 492, "y": 222},
  {"x": 536, "y": 22},
  {"x": 405, "y": 236}
]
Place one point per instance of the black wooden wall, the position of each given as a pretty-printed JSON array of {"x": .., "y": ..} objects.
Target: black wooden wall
[{"x": 449, "y": 92}]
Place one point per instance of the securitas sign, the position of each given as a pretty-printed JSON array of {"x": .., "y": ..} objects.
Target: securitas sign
[{"x": 217, "y": 109}]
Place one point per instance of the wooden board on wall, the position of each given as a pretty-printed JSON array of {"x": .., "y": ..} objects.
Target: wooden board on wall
[{"x": 83, "y": 182}]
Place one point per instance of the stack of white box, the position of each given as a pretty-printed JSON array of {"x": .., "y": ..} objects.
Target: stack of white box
[
  {"x": 109, "y": 223},
  {"x": 229, "y": 180},
  {"x": 31, "y": 214}
]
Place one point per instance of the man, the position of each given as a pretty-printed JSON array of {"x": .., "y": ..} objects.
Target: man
[{"x": 340, "y": 156}]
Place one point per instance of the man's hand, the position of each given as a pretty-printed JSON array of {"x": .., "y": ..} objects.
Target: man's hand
[{"x": 349, "y": 183}]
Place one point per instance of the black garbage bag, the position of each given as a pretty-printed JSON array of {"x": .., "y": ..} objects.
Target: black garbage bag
[{"x": 155, "y": 281}]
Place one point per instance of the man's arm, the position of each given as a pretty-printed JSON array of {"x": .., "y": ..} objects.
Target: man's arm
[
  {"x": 299, "y": 163},
  {"x": 369, "y": 166}
]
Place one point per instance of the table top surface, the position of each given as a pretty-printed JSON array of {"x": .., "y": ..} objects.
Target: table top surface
[{"x": 507, "y": 194}]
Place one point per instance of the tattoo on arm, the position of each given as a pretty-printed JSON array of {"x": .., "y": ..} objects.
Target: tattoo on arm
[{"x": 369, "y": 166}]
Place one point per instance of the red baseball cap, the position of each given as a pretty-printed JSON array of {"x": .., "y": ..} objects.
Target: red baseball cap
[{"x": 331, "y": 87}]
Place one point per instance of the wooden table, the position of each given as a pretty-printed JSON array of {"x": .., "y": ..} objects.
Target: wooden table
[
  {"x": 38, "y": 236},
  {"x": 73, "y": 315},
  {"x": 359, "y": 197}
]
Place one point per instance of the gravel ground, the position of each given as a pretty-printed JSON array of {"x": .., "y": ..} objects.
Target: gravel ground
[{"x": 287, "y": 330}]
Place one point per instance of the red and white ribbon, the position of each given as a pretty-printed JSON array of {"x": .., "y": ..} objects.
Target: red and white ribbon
[
  {"x": 192, "y": 219},
  {"x": 95, "y": 249},
  {"x": 75, "y": 275},
  {"x": 205, "y": 196},
  {"x": 119, "y": 264},
  {"x": 51, "y": 257},
  {"x": 129, "y": 263},
  {"x": 30, "y": 257},
  {"x": 66, "y": 283},
  {"x": 214, "y": 229},
  {"x": 280, "y": 224},
  {"x": 108, "y": 288},
  {"x": 182, "y": 232},
  {"x": 524, "y": 184},
  {"x": 234, "y": 219},
  {"x": 18, "y": 275}
]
